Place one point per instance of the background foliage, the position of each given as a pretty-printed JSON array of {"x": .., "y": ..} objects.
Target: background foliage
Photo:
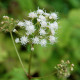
[{"x": 44, "y": 59}]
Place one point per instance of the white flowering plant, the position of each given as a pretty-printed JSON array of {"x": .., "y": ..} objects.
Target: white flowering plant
[{"x": 40, "y": 29}]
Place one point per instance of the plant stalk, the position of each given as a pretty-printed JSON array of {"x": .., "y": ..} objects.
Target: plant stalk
[
  {"x": 17, "y": 53},
  {"x": 30, "y": 61},
  {"x": 44, "y": 76}
]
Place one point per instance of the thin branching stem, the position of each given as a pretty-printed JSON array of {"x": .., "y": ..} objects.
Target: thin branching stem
[
  {"x": 17, "y": 53},
  {"x": 45, "y": 76},
  {"x": 30, "y": 61}
]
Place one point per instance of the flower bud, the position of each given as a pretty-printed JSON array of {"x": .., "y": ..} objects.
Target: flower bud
[{"x": 32, "y": 49}]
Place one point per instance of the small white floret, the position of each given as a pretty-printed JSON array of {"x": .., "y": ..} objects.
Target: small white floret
[
  {"x": 43, "y": 42},
  {"x": 20, "y": 24},
  {"x": 30, "y": 29},
  {"x": 43, "y": 24},
  {"x": 46, "y": 14},
  {"x": 35, "y": 40},
  {"x": 41, "y": 18},
  {"x": 32, "y": 15},
  {"x": 40, "y": 11},
  {"x": 52, "y": 39},
  {"x": 50, "y": 17},
  {"x": 24, "y": 40},
  {"x": 5, "y": 17},
  {"x": 42, "y": 32},
  {"x": 53, "y": 31},
  {"x": 53, "y": 25},
  {"x": 17, "y": 40},
  {"x": 53, "y": 16},
  {"x": 28, "y": 23}
]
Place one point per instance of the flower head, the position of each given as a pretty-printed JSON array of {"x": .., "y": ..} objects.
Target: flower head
[
  {"x": 23, "y": 40},
  {"x": 20, "y": 24},
  {"x": 43, "y": 24},
  {"x": 40, "y": 30},
  {"x": 43, "y": 42},
  {"x": 64, "y": 69},
  {"x": 53, "y": 25},
  {"x": 41, "y": 18},
  {"x": 30, "y": 29},
  {"x": 53, "y": 16},
  {"x": 32, "y": 15},
  {"x": 46, "y": 14},
  {"x": 27, "y": 23},
  {"x": 35, "y": 40},
  {"x": 40, "y": 11},
  {"x": 52, "y": 39}
]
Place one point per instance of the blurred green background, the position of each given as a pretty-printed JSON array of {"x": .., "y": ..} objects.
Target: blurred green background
[{"x": 44, "y": 59}]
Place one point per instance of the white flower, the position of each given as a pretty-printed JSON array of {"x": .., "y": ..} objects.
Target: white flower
[
  {"x": 30, "y": 29},
  {"x": 52, "y": 39},
  {"x": 35, "y": 40},
  {"x": 43, "y": 24},
  {"x": 50, "y": 17},
  {"x": 53, "y": 16},
  {"x": 42, "y": 31},
  {"x": 43, "y": 42},
  {"x": 17, "y": 40},
  {"x": 38, "y": 19},
  {"x": 20, "y": 24},
  {"x": 28, "y": 23},
  {"x": 27, "y": 33},
  {"x": 46, "y": 14},
  {"x": 32, "y": 15},
  {"x": 40, "y": 11},
  {"x": 5, "y": 17},
  {"x": 52, "y": 31},
  {"x": 41, "y": 18},
  {"x": 53, "y": 25},
  {"x": 14, "y": 30},
  {"x": 24, "y": 40}
]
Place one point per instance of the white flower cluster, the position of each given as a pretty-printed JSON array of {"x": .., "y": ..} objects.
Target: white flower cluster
[{"x": 40, "y": 29}]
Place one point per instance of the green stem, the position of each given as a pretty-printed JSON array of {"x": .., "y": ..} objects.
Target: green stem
[
  {"x": 44, "y": 76},
  {"x": 28, "y": 75},
  {"x": 30, "y": 59},
  {"x": 17, "y": 53}
]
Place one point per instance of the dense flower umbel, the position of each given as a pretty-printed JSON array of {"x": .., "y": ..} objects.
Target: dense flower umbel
[
  {"x": 64, "y": 69},
  {"x": 40, "y": 29}
]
